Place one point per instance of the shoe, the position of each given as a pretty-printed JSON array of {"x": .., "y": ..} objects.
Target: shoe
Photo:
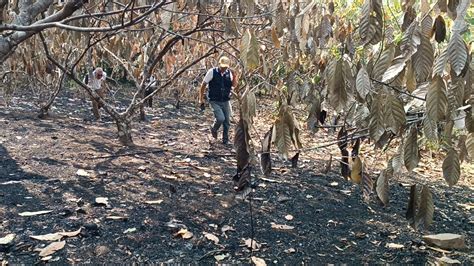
[{"x": 213, "y": 133}]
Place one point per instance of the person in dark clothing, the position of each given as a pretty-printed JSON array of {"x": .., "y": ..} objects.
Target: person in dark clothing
[
  {"x": 151, "y": 85},
  {"x": 221, "y": 80}
]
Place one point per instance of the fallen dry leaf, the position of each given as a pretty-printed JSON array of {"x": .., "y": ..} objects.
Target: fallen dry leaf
[
  {"x": 7, "y": 239},
  {"x": 26, "y": 214},
  {"x": 102, "y": 200},
  {"x": 289, "y": 217},
  {"x": 221, "y": 257},
  {"x": 71, "y": 234},
  {"x": 130, "y": 230},
  {"x": 226, "y": 228},
  {"x": 467, "y": 206},
  {"x": 52, "y": 248},
  {"x": 48, "y": 237},
  {"x": 282, "y": 226},
  {"x": 46, "y": 258},
  {"x": 211, "y": 237},
  {"x": 252, "y": 244},
  {"x": 116, "y": 217},
  {"x": 290, "y": 250},
  {"x": 56, "y": 236},
  {"x": 395, "y": 245},
  {"x": 184, "y": 233},
  {"x": 258, "y": 261},
  {"x": 82, "y": 172},
  {"x": 154, "y": 201}
]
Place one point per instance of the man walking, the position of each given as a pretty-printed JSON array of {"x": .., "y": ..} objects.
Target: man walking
[
  {"x": 221, "y": 81},
  {"x": 95, "y": 82}
]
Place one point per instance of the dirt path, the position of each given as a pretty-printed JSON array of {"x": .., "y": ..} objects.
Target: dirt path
[{"x": 189, "y": 178}]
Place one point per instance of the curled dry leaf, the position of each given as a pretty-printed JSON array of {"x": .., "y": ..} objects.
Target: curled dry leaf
[
  {"x": 7, "y": 239},
  {"x": 52, "y": 248},
  {"x": 211, "y": 237},
  {"x": 184, "y": 233},
  {"x": 27, "y": 214},
  {"x": 258, "y": 261}
]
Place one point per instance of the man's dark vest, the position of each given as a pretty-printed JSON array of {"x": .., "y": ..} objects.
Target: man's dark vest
[{"x": 220, "y": 86}]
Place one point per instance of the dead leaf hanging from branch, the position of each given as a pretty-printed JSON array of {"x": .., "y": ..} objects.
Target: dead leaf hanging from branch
[
  {"x": 436, "y": 99},
  {"x": 451, "y": 167},
  {"x": 411, "y": 153}
]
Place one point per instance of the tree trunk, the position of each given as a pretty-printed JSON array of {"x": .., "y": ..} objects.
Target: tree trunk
[
  {"x": 44, "y": 111},
  {"x": 142, "y": 110},
  {"x": 124, "y": 128}
]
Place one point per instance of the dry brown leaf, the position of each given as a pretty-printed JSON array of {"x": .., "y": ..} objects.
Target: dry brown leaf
[
  {"x": 258, "y": 261},
  {"x": 290, "y": 250},
  {"x": 116, "y": 217},
  {"x": 82, "y": 172},
  {"x": 211, "y": 237},
  {"x": 395, "y": 246},
  {"x": 221, "y": 257},
  {"x": 282, "y": 226},
  {"x": 411, "y": 153},
  {"x": 451, "y": 167},
  {"x": 52, "y": 248},
  {"x": 356, "y": 171},
  {"x": 7, "y": 239},
  {"x": 102, "y": 200},
  {"x": 154, "y": 201},
  {"x": 426, "y": 208},
  {"x": 48, "y": 237},
  {"x": 70, "y": 234},
  {"x": 226, "y": 228},
  {"x": 27, "y": 214},
  {"x": 184, "y": 233},
  {"x": 249, "y": 243},
  {"x": 382, "y": 187}
]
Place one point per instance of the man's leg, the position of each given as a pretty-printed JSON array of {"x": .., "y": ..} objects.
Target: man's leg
[
  {"x": 95, "y": 109},
  {"x": 219, "y": 117},
  {"x": 227, "y": 112}
]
